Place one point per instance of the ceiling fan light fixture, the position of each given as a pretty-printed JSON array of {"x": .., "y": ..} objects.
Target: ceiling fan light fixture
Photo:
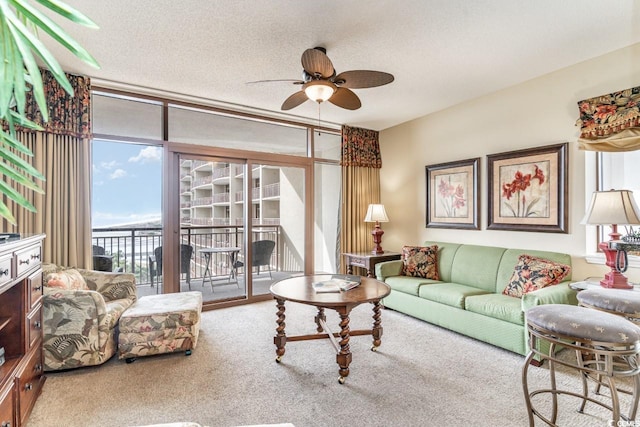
[{"x": 319, "y": 90}]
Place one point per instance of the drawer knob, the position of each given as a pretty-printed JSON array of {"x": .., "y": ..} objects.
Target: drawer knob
[
  {"x": 37, "y": 324},
  {"x": 37, "y": 288},
  {"x": 4, "y": 272},
  {"x": 28, "y": 386},
  {"x": 6, "y": 424},
  {"x": 37, "y": 368},
  {"x": 35, "y": 256},
  {"x": 24, "y": 261}
]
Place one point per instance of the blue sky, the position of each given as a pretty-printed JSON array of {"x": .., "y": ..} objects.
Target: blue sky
[{"x": 127, "y": 183}]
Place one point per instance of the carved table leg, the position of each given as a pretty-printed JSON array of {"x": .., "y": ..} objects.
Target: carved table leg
[
  {"x": 280, "y": 339},
  {"x": 377, "y": 326},
  {"x": 320, "y": 316},
  {"x": 344, "y": 356}
]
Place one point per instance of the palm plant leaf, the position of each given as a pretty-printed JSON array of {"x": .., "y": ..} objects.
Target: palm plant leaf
[
  {"x": 19, "y": 45},
  {"x": 5, "y": 212},
  {"x": 68, "y": 12},
  {"x": 15, "y": 196},
  {"x": 43, "y": 22}
]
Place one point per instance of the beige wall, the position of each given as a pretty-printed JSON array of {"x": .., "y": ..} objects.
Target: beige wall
[{"x": 539, "y": 112}]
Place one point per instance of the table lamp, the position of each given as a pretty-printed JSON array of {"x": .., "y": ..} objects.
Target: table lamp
[
  {"x": 613, "y": 207},
  {"x": 377, "y": 214}
]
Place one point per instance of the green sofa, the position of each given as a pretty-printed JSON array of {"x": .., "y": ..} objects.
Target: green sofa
[{"x": 468, "y": 297}]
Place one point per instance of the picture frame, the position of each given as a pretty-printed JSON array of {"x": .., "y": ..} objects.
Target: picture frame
[
  {"x": 453, "y": 197},
  {"x": 528, "y": 190}
]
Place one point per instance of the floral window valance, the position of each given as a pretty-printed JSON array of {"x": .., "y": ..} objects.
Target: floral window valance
[
  {"x": 610, "y": 122},
  {"x": 360, "y": 147},
  {"x": 68, "y": 115}
]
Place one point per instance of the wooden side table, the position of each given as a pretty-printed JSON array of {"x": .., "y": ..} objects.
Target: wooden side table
[{"x": 367, "y": 260}]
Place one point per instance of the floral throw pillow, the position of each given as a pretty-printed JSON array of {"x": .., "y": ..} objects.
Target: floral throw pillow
[
  {"x": 69, "y": 279},
  {"x": 420, "y": 261},
  {"x": 533, "y": 273}
]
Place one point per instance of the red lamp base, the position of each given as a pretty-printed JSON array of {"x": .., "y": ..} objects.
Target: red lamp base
[
  {"x": 377, "y": 239},
  {"x": 613, "y": 279}
]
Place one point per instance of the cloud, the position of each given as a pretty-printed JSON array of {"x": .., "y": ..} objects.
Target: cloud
[
  {"x": 118, "y": 173},
  {"x": 108, "y": 165},
  {"x": 148, "y": 154}
]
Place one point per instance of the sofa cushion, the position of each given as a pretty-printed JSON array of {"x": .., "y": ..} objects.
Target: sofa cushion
[
  {"x": 420, "y": 261},
  {"x": 497, "y": 306},
  {"x": 406, "y": 284},
  {"x": 452, "y": 294},
  {"x": 511, "y": 257},
  {"x": 69, "y": 279},
  {"x": 533, "y": 273},
  {"x": 446, "y": 254},
  {"x": 477, "y": 266}
]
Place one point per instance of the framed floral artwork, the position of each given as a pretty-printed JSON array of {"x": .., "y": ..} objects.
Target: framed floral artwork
[
  {"x": 453, "y": 198},
  {"x": 528, "y": 190}
]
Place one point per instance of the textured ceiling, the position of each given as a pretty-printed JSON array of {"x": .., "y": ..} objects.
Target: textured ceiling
[{"x": 441, "y": 52}]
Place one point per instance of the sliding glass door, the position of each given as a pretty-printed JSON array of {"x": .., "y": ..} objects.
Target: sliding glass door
[{"x": 242, "y": 226}]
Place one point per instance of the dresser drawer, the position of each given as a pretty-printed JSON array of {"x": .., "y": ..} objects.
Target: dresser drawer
[
  {"x": 28, "y": 259},
  {"x": 7, "y": 408},
  {"x": 34, "y": 322},
  {"x": 34, "y": 286},
  {"x": 29, "y": 382},
  {"x": 6, "y": 269}
]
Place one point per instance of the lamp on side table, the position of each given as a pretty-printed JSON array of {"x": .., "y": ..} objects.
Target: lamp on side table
[
  {"x": 377, "y": 214},
  {"x": 613, "y": 207}
]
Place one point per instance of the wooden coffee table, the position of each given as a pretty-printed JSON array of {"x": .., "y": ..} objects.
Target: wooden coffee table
[{"x": 300, "y": 290}]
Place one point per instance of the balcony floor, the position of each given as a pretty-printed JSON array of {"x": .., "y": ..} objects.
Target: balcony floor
[{"x": 221, "y": 288}]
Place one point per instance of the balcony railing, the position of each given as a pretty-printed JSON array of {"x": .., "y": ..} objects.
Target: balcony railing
[
  {"x": 132, "y": 247},
  {"x": 271, "y": 190},
  {"x": 220, "y": 198},
  {"x": 202, "y": 201}
]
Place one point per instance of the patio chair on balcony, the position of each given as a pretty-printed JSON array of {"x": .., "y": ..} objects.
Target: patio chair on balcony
[
  {"x": 261, "y": 251},
  {"x": 155, "y": 264},
  {"x": 101, "y": 262}
]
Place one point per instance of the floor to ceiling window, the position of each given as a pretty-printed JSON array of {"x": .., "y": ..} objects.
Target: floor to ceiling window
[{"x": 236, "y": 192}]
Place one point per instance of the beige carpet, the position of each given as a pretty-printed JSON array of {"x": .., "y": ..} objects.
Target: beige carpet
[{"x": 422, "y": 375}]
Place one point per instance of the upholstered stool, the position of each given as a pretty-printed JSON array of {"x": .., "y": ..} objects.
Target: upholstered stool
[
  {"x": 158, "y": 324},
  {"x": 622, "y": 302},
  {"x": 607, "y": 347}
]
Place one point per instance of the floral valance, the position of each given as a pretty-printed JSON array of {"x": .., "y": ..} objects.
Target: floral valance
[
  {"x": 610, "y": 122},
  {"x": 360, "y": 147},
  {"x": 68, "y": 115}
]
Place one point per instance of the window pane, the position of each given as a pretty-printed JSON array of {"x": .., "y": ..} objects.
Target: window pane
[
  {"x": 216, "y": 130},
  {"x": 126, "y": 117},
  {"x": 327, "y": 146},
  {"x": 326, "y": 218}
]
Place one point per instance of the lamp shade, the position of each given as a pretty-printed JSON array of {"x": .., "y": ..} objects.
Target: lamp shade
[
  {"x": 319, "y": 90},
  {"x": 612, "y": 207},
  {"x": 376, "y": 213}
]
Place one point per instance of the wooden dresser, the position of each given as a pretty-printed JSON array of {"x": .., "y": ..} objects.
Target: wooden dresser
[{"x": 21, "y": 375}]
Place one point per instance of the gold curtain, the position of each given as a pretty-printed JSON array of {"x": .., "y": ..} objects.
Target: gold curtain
[
  {"x": 361, "y": 163},
  {"x": 62, "y": 153},
  {"x": 610, "y": 122}
]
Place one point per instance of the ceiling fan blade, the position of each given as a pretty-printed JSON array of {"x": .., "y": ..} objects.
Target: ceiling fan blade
[
  {"x": 360, "y": 79},
  {"x": 345, "y": 98},
  {"x": 315, "y": 62},
  {"x": 294, "y": 81},
  {"x": 294, "y": 100}
]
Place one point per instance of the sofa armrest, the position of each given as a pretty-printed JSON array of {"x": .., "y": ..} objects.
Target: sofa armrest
[
  {"x": 558, "y": 294},
  {"x": 388, "y": 269},
  {"x": 112, "y": 286}
]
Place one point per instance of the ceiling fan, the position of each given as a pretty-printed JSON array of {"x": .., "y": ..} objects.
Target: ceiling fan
[{"x": 320, "y": 82}]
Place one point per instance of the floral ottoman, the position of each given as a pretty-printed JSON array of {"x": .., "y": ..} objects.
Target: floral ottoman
[{"x": 158, "y": 324}]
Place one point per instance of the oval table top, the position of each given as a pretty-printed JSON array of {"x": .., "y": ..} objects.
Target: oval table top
[{"x": 300, "y": 289}]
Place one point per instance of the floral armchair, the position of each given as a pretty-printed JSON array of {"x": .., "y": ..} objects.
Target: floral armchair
[{"x": 81, "y": 309}]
